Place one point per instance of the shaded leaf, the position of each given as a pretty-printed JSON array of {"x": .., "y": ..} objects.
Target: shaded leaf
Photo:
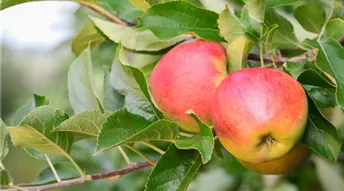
[
  {"x": 122, "y": 8},
  {"x": 311, "y": 18},
  {"x": 3, "y": 140},
  {"x": 335, "y": 28},
  {"x": 294, "y": 68},
  {"x": 322, "y": 97},
  {"x": 5, "y": 177},
  {"x": 122, "y": 80},
  {"x": 140, "y": 80},
  {"x": 65, "y": 170},
  {"x": 112, "y": 101},
  {"x": 330, "y": 60},
  {"x": 203, "y": 142},
  {"x": 174, "y": 18},
  {"x": 123, "y": 127},
  {"x": 82, "y": 91},
  {"x": 276, "y": 3},
  {"x": 175, "y": 170},
  {"x": 88, "y": 36},
  {"x": 314, "y": 78},
  {"x": 321, "y": 136},
  {"x": 35, "y": 132},
  {"x": 135, "y": 40},
  {"x": 283, "y": 37},
  {"x": 88, "y": 123}
]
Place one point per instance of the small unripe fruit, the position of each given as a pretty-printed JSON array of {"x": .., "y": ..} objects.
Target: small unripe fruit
[
  {"x": 186, "y": 78},
  {"x": 282, "y": 165},
  {"x": 259, "y": 114}
]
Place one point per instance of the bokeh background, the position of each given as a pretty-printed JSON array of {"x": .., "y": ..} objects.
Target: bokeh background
[{"x": 35, "y": 40}]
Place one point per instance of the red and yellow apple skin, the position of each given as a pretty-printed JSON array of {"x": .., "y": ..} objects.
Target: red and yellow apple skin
[
  {"x": 186, "y": 78},
  {"x": 287, "y": 163},
  {"x": 259, "y": 114}
]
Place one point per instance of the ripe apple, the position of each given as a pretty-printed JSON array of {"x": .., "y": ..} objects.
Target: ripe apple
[
  {"x": 186, "y": 78},
  {"x": 259, "y": 114},
  {"x": 282, "y": 165}
]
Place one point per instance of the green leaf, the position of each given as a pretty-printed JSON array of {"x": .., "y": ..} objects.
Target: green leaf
[
  {"x": 311, "y": 18},
  {"x": 65, "y": 170},
  {"x": 283, "y": 37},
  {"x": 330, "y": 60},
  {"x": 134, "y": 40},
  {"x": 88, "y": 123},
  {"x": 329, "y": 175},
  {"x": 142, "y": 4},
  {"x": 35, "y": 132},
  {"x": 121, "y": 8},
  {"x": 40, "y": 100},
  {"x": 174, "y": 171},
  {"x": 294, "y": 68},
  {"x": 9, "y": 3},
  {"x": 23, "y": 110},
  {"x": 88, "y": 36},
  {"x": 5, "y": 177},
  {"x": 239, "y": 45},
  {"x": 256, "y": 10},
  {"x": 321, "y": 136},
  {"x": 82, "y": 91},
  {"x": 123, "y": 127},
  {"x": 203, "y": 142},
  {"x": 276, "y": 3},
  {"x": 322, "y": 97},
  {"x": 318, "y": 89},
  {"x": 154, "y": 2},
  {"x": 3, "y": 140},
  {"x": 112, "y": 100},
  {"x": 174, "y": 18},
  {"x": 335, "y": 28},
  {"x": 250, "y": 26},
  {"x": 140, "y": 79},
  {"x": 124, "y": 83},
  {"x": 229, "y": 25},
  {"x": 314, "y": 78}
]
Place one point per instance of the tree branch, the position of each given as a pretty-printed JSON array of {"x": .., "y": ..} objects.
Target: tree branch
[
  {"x": 92, "y": 177},
  {"x": 105, "y": 13}
]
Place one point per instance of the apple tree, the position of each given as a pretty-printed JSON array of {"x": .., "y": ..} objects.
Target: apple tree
[{"x": 247, "y": 87}]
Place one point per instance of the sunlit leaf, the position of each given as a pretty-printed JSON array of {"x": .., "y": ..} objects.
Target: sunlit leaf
[
  {"x": 35, "y": 131},
  {"x": 123, "y": 127},
  {"x": 174, "y": 18},
  {"x": 330, "y": 59},
  {"x": 83, "y": 95},
  {"x": 135, "y": 40},
  {"x": 203, "y": 142}
]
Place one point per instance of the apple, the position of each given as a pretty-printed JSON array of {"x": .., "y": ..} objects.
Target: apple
[
  {"x": 186, "y": 78},
  {"x": 259, "y": 114},
  {"x": 282, "y": 165}
]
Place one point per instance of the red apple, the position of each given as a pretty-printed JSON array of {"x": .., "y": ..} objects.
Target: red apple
[
  {"x": 282, "y": 165},
  {"x": 259, "y": 114},
  {"x": 186, "y": 78}
]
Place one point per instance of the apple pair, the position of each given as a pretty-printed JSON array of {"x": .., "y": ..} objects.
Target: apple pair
[{"x": 259, "y": 114}]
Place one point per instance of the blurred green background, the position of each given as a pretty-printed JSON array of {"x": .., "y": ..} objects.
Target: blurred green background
[{"x": 35, "y": 57}]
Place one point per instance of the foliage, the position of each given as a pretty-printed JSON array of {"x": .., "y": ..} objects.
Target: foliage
[{"x": 122, "y": 113}]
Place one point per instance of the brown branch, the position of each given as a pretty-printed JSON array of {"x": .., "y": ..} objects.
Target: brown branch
[
  {"x": 92, "y": 177},
  {"x": 104, "y": 13}
]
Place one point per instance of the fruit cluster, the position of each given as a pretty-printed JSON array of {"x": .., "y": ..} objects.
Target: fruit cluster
[{"x": 259, "y": 114}]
